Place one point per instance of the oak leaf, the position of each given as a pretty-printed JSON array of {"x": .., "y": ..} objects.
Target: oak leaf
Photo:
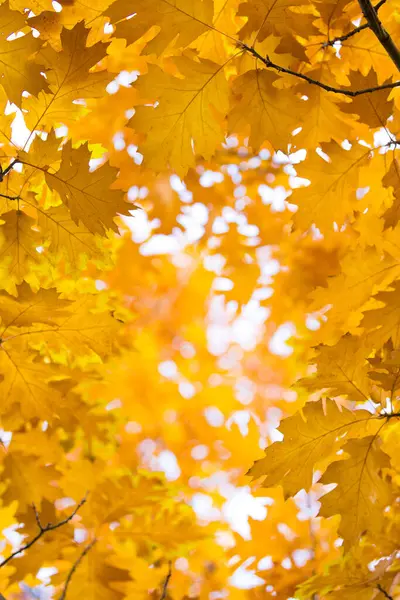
[
  {"x": 188, "y": 118},
  {"x": 362, "y": 493},
  {"x": 181, "y": 21},
  {"x": 87, "y": 194},
  {"x": 309, "y": 442}
]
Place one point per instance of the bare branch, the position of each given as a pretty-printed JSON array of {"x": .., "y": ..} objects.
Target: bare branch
[
  {"x": 166, "y": 582},
  {"x": 75, "y": 566},
  {"x": 376, "y": 26},
  {"x": 346, "y": 36},
  {"x": 384, "y": 592},
  {"x": 351, "y": 93},
  {"x": 42, "y": 530},
  {"x": 10, "y": 198}
]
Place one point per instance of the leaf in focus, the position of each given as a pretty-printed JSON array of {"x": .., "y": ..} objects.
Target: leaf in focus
[
  {"x": 87, "y": 195},
  {"x": 180, "y": 20},
  {"x": 190, "y": 111},
  {"x": 362, "y": 493},
  {"x": 18, "y": 70},
  {"x": 309, "y": 441}
]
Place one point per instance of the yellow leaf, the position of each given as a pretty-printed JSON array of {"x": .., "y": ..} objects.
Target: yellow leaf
[
  {"x": 87, "y": 194},
  {"x": 180, "y": 20},
  {"x": 331, "y": 196},
  {"x": 190, "y": 112},
  {"x": 69, "y": 78},
  {"x": 18, "y": 71},
  {"x": 271, "y": 113},
  {"x": 309, "y": 441},
  {"x": 362, "y": 493}
]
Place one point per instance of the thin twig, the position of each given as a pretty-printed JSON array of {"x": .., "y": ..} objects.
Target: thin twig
[
  {"x": 74, "y": 567},
  {"x": 42, "y": 530},
  {"x": 346, "y": 36},
  {"x": 8, "y": 169},
  {"x": 10, "y": 197},
  {"x": 384, "y": 592},
  {"x": 351, "y": 93},
  {"x": 166, "y": 582},
  {"x": 380, "y": 32}
]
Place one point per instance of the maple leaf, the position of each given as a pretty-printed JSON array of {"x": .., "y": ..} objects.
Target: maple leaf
[
  {"x": 50, "y": 23},
  {"x": 87, "y": 195},
  {"x": 17, "y": 69},
  {"x": 44, "y": 306},
  {"x": 190, "y": 111},
  {"x": 271, "y": 113},
  {"x": 269, "y": 16},
  {"x": 382, "y": 323},
  {"x": 331, "y": 196},
  {"x": 69, "y": 78},
  {"x": 362, "y": 493},
  {"x": 18, "y": 249},
  {"x": 338, "y": 372},
  {"x": 392, "y": 179},
  {"x": 309, "y": 441},
  {"x": 181, "y": 21},
  {"x": 24, "y": 384},
  {"x": 373, "y": 110}
]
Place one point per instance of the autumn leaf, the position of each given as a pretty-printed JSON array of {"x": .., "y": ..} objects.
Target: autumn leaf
[
  {"x": 331, "y": 195},
  {"x": 308, "y": 442},
  {"x": 87, "y": 195},
  {"x": 69, "y": 78},
  {"x": 361, "y": 486},
  {"x": 181, "y": 21},
  {"x": 191, "y": 109},
  {"x": 19, "y": 72},
  {"x": 272, "y": 114}
]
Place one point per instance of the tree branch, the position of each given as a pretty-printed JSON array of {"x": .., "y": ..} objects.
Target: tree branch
[
  {"x": 346, "y": 36},
  {"x": 74, "y": 567},
  {"x": 384, "y": 592},
  {"x": 166, "y": 582},
  {"x": 380, "y": 32},
  {"x": 351, "y": 93},
  {"x": 43, "y": 530}
]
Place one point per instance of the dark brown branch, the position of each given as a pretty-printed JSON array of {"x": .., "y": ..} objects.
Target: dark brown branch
[
  {"x": 384, "y": 592},
  {"x": 166, "y": 582},
  {"x": 74, "y": 567},
  {"x": 42, "y": 530},
  {"x": 351, "y": 93},
  {"x": 380, "y": 32},
  {"x": 10, "y": 198},
  {"x": 347, "y": 36}
]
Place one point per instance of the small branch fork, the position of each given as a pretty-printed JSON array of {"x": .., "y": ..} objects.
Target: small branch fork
[
  {"x": 347, "y": 36},
  {"x": 42, "y": 530}
]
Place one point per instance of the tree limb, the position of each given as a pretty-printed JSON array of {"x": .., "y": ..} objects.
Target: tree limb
[
  {"x": 384, "y": 592},
  {"x": 351, "y": 93},
  {"x": 42, "y": 530},
  {"x": 380, "y": 32},
  {"x": 74, "y": 567},
  {"x": 346, "y": 36}
]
